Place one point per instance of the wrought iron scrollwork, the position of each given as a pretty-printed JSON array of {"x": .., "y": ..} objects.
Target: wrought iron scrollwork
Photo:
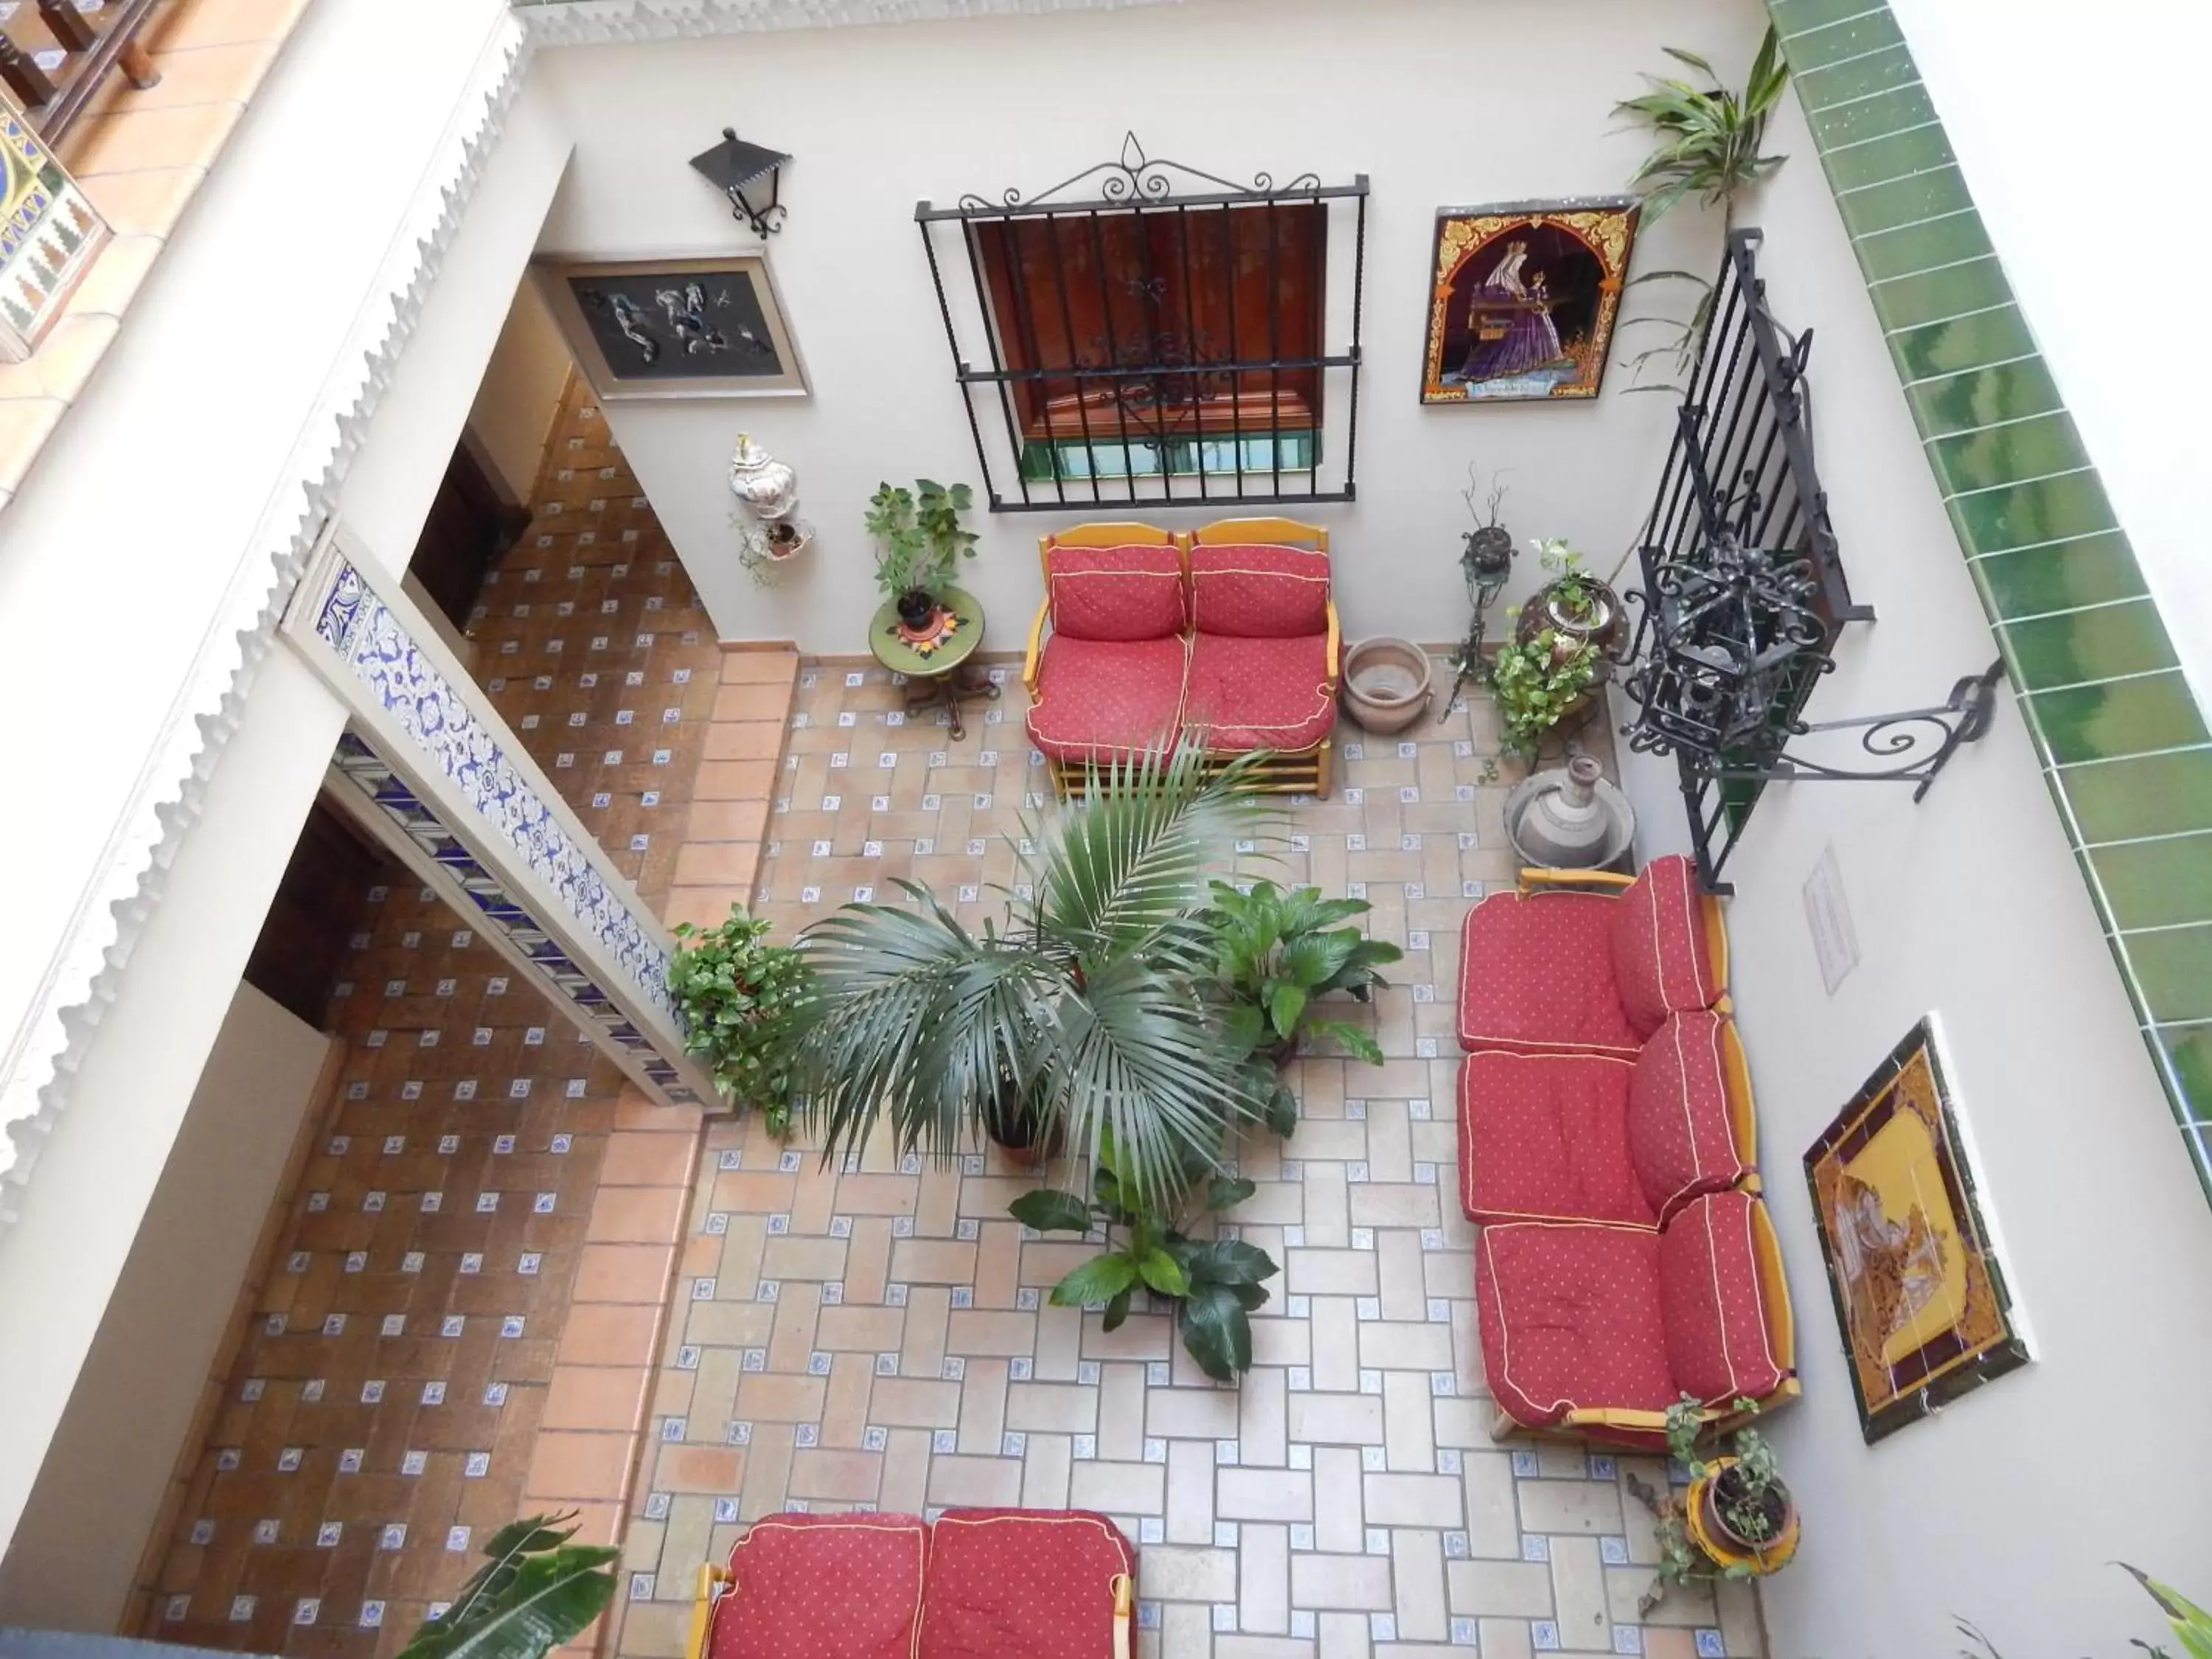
[{"x": 1133, "y": 176}]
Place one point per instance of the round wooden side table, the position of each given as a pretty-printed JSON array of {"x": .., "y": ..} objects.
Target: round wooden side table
[{"x": 942, "y": 674}]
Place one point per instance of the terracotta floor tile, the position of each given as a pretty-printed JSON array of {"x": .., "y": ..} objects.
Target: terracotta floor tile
[
  {"x": 596, "y": 1397},
  {"x": 638, "y": 1157},
  {"x": 624, "y": 1272},
  {"x": 573, "y": 1467},
  {"x": 744, "y": 740}
]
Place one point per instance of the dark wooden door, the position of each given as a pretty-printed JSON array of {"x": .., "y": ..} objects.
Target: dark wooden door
[
  {"x": 318, "y": 906},
  {"x": 469, "y": 527}
]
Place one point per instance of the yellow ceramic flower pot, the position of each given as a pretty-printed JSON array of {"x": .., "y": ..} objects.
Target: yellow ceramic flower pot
[{"x": 1726, "y": 1552}]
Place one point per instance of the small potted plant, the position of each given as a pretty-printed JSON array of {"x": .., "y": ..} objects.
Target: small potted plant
[
  {"x": 1015, "y": 1121},
  {"x": 1574, "y": 606},
  {"x": 920, "y": 542},
  {"x": 740, "y": 998},
  {"x": 1735, "y": 1520},
  {"x": 1539, "y": 680}
]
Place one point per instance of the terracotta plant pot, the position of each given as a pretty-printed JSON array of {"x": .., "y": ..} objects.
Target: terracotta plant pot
[
  {"x": 1013, "y": 1130},
  {"x": 1600, "y": 625},
  {"x": 915, "y": 608},
  {"x": 1387, "y": 684}
]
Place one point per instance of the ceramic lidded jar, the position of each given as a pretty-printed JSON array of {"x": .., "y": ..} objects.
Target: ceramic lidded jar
[{"x": 761, "y": 483}]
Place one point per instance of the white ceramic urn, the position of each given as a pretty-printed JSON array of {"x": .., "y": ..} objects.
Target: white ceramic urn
[{"x": 763, "y": 483}]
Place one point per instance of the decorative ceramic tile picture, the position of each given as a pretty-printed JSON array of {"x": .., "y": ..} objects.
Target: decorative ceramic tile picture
[
  {"x": 1523, "y": 298},
  {"x": 50, "y": 234},
  {"x": 675, "y": 328},
  {"x": 1918, "y": 1290}
]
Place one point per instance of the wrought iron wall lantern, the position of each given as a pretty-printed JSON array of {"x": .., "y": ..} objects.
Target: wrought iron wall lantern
[
  {"x": 1727, "y": 643},
  {"x": 737, "y": 168}
]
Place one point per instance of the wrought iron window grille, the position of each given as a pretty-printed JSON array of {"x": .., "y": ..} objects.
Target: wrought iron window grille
[
  {"x": 1744, "y": 594},
  {"x": 1156, "y": 335}
]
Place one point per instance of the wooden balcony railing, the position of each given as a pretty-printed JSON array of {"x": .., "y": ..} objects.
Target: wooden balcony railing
[{"x": 55, "y": 58}]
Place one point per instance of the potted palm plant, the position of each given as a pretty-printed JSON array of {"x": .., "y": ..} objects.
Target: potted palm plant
[
  {"x": 1094, "y": 997},
  {"x": 920, "y": 543}
]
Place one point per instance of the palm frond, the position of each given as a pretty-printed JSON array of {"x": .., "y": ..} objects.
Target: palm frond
[{"x": 1123, "y": 863}]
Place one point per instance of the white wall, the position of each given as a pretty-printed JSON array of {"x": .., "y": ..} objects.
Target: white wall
[
  {"x": 880, "y": 118},
  {"x": 197, "y": 527},
  {"x": 2008, "y": 1506},
  {"x": 1990, "y": 66},
  {"x": 96, "y": 1503},
  {"x": 513, "y": 412}
]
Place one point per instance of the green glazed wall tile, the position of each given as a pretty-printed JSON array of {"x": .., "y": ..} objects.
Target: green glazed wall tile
[
  {"x": 1963, "y": 342},
  {"x": 2035, "y": 580},
  {"x": 1921, "y": 149},
  {"x": 1861, "y": 35},
  {"x": 2155, "y": 795},
  {"x": 1885, "y": 112},
  {"x": 2040, "y": 510},
  {"x": 2088, "y": 644},
  {"x": 2021, "y": 449},
  {"x": 1795, "y": 16},
  {"x": 1964, "y": 402},
  {"x": 2174, "y": 968},
  {"x": 1858, "y": 76},
  {"x": 1903, "y": 201},
  {"x": 1923, "y": 246},
  {"x": 1932, "y": 295},
  {"x": 2127, "y": 717},
  {"x": 2187, "y": 1051},
  {"x": 2149, "y": 881}
]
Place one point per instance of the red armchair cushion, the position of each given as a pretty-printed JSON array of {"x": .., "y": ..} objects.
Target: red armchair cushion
[
  {"x": 823, "y": 1586},
  {"x": 1569, "y": 1314},
  {"x": 1097, "y": 699},
  {"x": 1682, "y": 1141},
  {"x": 1255, "y": 693},
  {"x": 1019, "y": 1584},
  {"x": 1535, "y": 974},
  {"x": 1545, "y": 1137},
  {"x": 1713, "y": 1303},
  {"x": 1660, "y": 963},
  {"x": 1133, "y": 593},
  {"x": 1259, "y": 592}
]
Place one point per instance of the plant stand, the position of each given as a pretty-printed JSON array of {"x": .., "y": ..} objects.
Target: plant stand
[{"x": 944, "y": 675}]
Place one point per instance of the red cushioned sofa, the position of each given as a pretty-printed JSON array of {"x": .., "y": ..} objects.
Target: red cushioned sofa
[
  {"x": 1608, "y": 1153},
  {"x": 1228, "y": 632},
  {"x": 973, "y": 1584}
]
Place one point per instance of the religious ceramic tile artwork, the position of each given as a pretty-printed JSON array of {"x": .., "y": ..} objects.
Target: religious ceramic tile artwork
[
  {"x": 1523, "y": 298},
  {"x": 49, "y": 236}
]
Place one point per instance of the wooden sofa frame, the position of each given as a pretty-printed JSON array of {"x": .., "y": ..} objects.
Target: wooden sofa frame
[{"x": 1293, "y": 771}]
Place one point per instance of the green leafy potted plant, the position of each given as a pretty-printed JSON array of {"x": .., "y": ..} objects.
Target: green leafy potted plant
[
  {"x": 1707, "y": 146},
  {"x": 1216, "y": 1284},
  {"x": 739, "y": 998},
  {"x": 1736, "y": 1520},
  {"x": 920, "y": 543},
  {"x": 1538, "y": 682},
  {"x": 1280, "y": 951},
  {"x": 536, "y": 1591},
  {"x": 1574, "y": 604},
  {"x": 1095, "y": 997}
]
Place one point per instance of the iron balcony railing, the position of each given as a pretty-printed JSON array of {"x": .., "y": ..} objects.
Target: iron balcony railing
[{"x": 54, "y": 59}]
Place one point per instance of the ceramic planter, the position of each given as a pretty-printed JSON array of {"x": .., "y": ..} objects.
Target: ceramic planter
[
  {"x": 1387, "y": 684},
  {"x": 1710, "y": 1531},
  {"x": 1600, "y": 625}
]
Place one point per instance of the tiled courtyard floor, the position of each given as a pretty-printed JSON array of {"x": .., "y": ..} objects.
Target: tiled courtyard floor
[{"x": 878, "y": 1335}]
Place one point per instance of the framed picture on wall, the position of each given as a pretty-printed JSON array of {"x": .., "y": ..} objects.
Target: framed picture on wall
[
  {"x": 1523, "y": 298},
  {"x": 674, "y": 328},
  {"x": 1922, "y": 1299}
]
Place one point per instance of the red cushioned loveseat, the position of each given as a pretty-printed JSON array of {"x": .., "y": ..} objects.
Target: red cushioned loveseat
[
  {"x": 1228, "y": 633},
  {"x": 973, "y": 1584}
]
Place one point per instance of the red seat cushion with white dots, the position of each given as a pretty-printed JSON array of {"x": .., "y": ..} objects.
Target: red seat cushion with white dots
[
  {"x": 1133, "y": 593},
  {"x": 1545, "y": 1137},
  {"x": 1100, "y": 699},
  {"x": 1023, "y": 1584},
  {"x": 1568, "y": 1313},
  {"x": 1253, "y": 693},
  {"x": 1535, "y": 974},
  {"x": 1681, "y": 1140},
  {"x": 823, "y": 1586},
  {"x": 1718, "y": 1343},
  {"x": 1259, "y": 591},
  {"x": 1660, "y": 964}
]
